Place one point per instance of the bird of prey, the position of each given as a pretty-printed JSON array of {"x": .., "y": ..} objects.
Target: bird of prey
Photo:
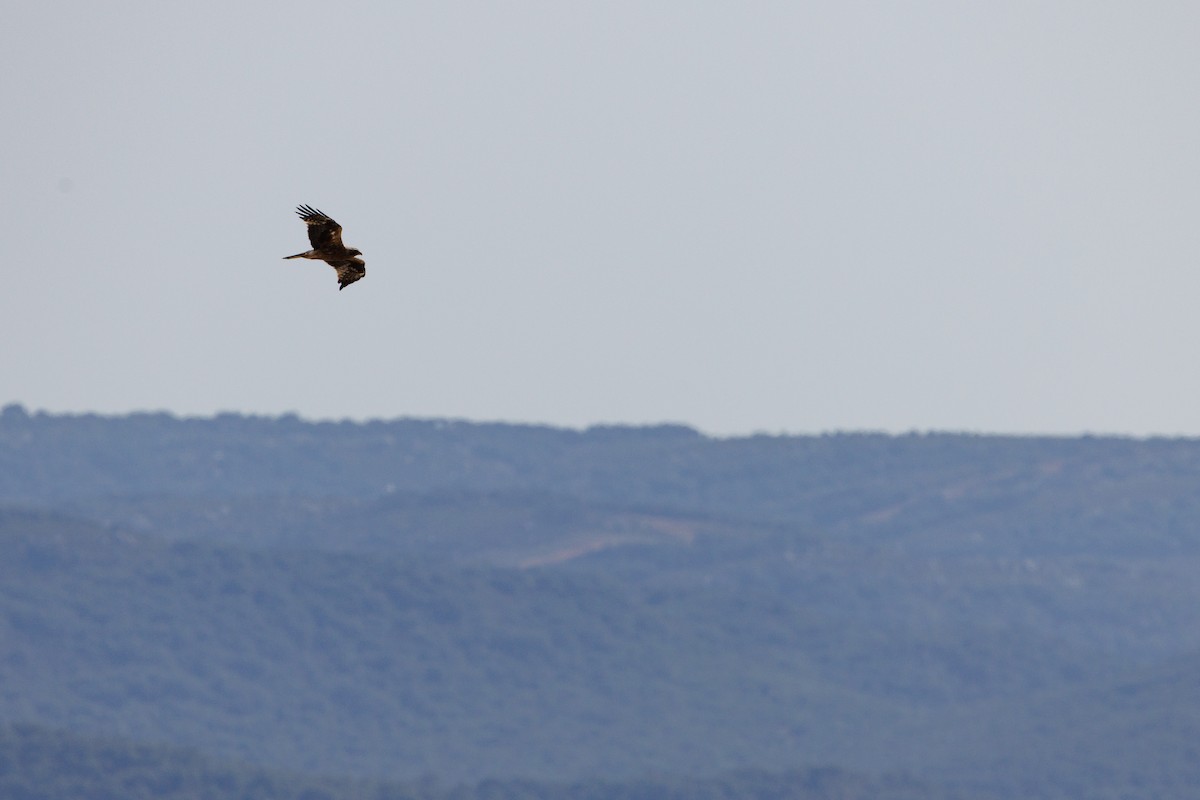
[{"x": 325, "y": 235}]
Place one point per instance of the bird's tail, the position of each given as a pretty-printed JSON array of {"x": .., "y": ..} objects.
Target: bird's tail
[{"x": 298, "y": 255}]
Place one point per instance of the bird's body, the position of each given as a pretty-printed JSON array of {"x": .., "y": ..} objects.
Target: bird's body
[{"x": 325, "y": 236}]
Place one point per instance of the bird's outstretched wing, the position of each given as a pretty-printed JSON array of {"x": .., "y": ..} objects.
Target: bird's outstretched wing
[
  {"x": 348, "y": 271},
  {"x": 323, "y": 232}
]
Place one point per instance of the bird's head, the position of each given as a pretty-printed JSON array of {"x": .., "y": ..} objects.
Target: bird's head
[{"x": 354, "y": 251}]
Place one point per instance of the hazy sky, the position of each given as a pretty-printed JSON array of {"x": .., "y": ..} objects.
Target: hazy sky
[{"x": 743, "y": 216}]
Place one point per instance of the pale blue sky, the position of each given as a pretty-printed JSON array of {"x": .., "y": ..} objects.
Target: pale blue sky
[{"x": 741, "y": 216}]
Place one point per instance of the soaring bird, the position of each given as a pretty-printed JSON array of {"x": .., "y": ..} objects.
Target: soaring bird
[{"x": 325, "y": 235}]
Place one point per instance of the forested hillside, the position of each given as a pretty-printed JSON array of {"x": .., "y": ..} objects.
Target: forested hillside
[
  {"x": 49, "y": 765},
  {"x": 459, "y": 603}
]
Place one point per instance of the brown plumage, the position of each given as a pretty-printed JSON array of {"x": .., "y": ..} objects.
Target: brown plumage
[{"x": 325, "y": 235}]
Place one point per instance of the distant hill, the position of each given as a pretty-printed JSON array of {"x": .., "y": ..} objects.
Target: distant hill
[
  {"x": 1127, "y": 495},
  {"x": 473, "y": 602},
  {"x": 372, "y": 665},
  {"x": 1138, "y": 736},
  {"x": 52, "y": 765}
]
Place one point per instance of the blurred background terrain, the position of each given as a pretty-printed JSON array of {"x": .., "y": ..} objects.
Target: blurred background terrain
[{"x": 439, "y": 603}]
